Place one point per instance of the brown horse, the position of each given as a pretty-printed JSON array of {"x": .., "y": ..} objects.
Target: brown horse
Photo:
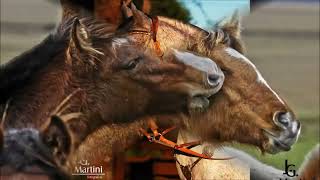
[
  {"x": 106, "y": 80},
  {"x": 247, "y": 109}
]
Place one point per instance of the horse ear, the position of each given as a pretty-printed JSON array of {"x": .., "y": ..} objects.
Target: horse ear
[
  {"x": 57, "y": 137},
  {"x": 126, "y": 11},
  {"x": 233, "y": 28},
  {"x": 140, "y": 20},
  {"x": 80, "y": 41}
]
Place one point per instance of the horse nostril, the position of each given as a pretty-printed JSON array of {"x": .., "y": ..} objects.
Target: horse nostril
[
  {"x": 214, "y": 79},
  {"x": 284, "y": 118}
]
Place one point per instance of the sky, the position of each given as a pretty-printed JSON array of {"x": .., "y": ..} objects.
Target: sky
[{"x": 214, "y": 10}]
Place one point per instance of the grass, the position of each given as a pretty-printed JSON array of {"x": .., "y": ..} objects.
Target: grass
[{"x": 308, "y": 139}]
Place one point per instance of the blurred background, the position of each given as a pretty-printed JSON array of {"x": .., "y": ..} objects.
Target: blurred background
[{"x": 282, "y": 39}]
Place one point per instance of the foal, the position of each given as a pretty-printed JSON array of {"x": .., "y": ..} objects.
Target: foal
[{"x": 246, "y": 109}]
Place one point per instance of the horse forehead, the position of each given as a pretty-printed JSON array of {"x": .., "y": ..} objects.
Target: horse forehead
[
  {"x": 240, "y": 57},
  {"x": 234, "y": 53}
]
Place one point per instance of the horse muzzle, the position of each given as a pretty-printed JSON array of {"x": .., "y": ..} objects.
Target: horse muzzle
[
  {"x": 199, "y": 101},
  {"x": 213, "y": 73},
  {"x": 290, "y": 131},
  {"x": 213, "y": 79}
]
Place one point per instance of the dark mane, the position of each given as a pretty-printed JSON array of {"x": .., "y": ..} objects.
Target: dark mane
[{"x": 18, "y": 71}]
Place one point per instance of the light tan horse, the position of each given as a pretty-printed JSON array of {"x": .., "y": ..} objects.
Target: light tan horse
[{"x": 246, "y": 109}]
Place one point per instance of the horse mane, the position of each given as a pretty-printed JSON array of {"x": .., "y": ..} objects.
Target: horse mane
[
  {"x": 189, "y": 28},
  {"x": 207, "y": 40},
  {"x": 98, "y": 29},
  {"x": 19, "y": 71}
]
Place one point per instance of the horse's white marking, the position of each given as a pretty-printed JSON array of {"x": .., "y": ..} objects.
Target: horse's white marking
[
  {"x": 234, "y": 53},
  {"x": 203, "y": 64}
]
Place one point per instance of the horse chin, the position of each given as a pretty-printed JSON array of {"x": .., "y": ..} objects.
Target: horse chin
[
  {"x": 198, "y": 104},
  {"x": 199, "y": 100},
  {"x": 274, "y": 145}
]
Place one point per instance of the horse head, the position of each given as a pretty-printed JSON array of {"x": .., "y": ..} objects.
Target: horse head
[
  {"x": 147, "y": 83},
  {"x": 258, "y": 114}
]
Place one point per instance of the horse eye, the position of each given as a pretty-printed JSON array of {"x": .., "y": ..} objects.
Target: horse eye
[{"x": 132, "y": 64}]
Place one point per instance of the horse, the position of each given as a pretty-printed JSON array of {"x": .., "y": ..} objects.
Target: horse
[
  {"x": 246, "y": 110},
  {"x": 97, "y": 78},
  {"x": 220, "y": 118}
]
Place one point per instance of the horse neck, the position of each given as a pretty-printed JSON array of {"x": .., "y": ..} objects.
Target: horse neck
[
  {"x": 108, "y": 140},
  {"x": 31, "y": 105},
  {"x": 16, "y": 73}
]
